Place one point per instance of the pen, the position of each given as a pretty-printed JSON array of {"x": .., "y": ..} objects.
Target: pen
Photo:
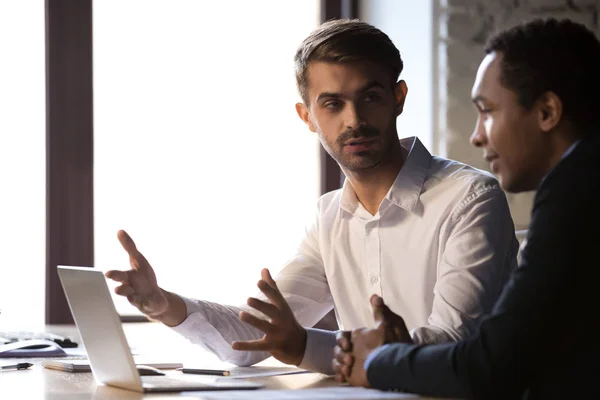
[
  {"x": 16, "y": 366},
  {"x": 204, "y": 371}
]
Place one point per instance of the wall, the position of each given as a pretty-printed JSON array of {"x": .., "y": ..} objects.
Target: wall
[{"x": 459, "y": 36}]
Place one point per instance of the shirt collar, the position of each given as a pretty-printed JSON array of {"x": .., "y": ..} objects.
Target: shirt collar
[
  {"x": 570, "y": 149},
  {"x": 407, "y": 186}
]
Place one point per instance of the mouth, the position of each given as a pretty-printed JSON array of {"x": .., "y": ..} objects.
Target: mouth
[
  {"x": 492, "y": 161},
  {"x": 358, "y": 141},
  {"x": 359, "y": 145}
]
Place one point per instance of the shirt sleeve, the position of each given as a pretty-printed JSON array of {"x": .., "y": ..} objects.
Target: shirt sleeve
[
  {"x": 480, "y": 253},
  {"x": 302, "y": 282},
  {"x": 319, "y": 351},
  {"x": 537, "y": 333}
]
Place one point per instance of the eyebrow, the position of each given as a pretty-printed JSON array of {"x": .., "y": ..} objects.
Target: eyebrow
[{"x": 367, "y": 87}]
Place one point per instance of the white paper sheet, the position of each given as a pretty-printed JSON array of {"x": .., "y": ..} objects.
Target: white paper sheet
[{"x": 258, "y": 371}]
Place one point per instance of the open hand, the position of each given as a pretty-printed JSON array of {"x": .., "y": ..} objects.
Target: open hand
[
  {"x": 139, "y": 283},
  {"x": 284, "y": 338}
]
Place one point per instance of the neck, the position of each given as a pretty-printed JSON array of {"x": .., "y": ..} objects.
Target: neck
[
  {"x": 372, "y": 185},
  {"x": 559, "y": 145}
]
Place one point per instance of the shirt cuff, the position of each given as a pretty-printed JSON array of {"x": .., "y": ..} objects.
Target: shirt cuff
[
  {"x": 319, "y": 351},
  {"x": 190, "y": 307}
]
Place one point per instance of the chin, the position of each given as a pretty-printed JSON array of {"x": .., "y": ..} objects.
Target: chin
[
  {"x": 516, "y": 186},
  {"x": 362, "y": 164}
]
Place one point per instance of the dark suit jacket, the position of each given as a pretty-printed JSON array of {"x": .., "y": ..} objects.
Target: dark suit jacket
[{"x": 541, "y": 340}]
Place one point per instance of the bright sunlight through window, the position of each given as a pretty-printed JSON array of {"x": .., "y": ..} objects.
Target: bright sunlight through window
[
  {"x": 22, "y": 165},
  {"x": 198, "y": 151}
]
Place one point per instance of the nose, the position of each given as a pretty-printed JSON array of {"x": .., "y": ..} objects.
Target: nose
[
  {"x": 478, "y": 136},
  {"x": 353, "y": 117}
]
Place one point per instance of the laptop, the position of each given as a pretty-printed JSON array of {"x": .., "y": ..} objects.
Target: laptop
[{"x": 107, "y": 349}]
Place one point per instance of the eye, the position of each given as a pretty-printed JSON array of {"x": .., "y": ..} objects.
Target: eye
[
  {"x": 372, "y": 96},
  {"x": 483, "y": 109},
  {"x": 332, "y": 104}
]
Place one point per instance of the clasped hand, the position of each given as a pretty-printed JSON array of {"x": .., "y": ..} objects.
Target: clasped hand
[{"x": 353, "y": 348}]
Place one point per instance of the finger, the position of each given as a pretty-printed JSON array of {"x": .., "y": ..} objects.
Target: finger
[
  {"x": 344, "y": 343},
  {"x": 346, "y": 370},
  {"x": 348, "y": 359},
  {"x": 119, "y": 276},
  {"x": 338, "y": 354},
  {"x": 266, "y": 308},
  {"x": 343, "y": 340},
  {"x": 342, "y": 357},
  {"x": 252, "y": 345},
  {"x": 138, "y": 261},
  {"x": 272, "y": 293},
  {"x": 124, "y": 290},
  {"x": 265, "y": 274},
  {"x": 337, "y": 371},
  {"x": 258, "y": 323}
]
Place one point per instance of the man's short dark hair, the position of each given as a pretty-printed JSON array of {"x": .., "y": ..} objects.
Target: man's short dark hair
[
  {"x": 346, "y": 41},
  {"x": 560, "y": 56}
]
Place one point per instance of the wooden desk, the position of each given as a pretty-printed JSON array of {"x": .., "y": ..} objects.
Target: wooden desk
[{"x": 42, "y": 383}]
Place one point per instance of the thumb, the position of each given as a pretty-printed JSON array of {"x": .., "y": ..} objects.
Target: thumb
[
  {"x": 390, "y": 321},
  {"x": 378, "y": 307}
]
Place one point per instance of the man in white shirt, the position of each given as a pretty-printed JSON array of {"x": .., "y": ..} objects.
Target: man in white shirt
[{"x": 432, "y": 236}]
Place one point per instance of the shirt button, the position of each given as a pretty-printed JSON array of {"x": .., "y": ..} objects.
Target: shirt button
[{"x": 374, "y": 279}]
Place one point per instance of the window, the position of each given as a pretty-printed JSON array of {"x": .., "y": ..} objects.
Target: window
[
  {"x": 22, "y": 164},
  {"x": 199, "y": 153}
]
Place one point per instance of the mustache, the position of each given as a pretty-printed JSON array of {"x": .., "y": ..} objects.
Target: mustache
[{"x": 363, "y": 131}]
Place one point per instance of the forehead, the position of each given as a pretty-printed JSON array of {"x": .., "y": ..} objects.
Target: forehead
[
  {"x": 487, "y": 81},
  {"x": 343, "y": 78}
]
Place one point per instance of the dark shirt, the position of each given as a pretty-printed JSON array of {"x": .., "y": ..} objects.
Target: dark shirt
[{"x": 539, "y": 341}]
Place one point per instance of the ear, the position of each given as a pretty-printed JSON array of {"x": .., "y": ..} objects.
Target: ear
[
  {"x": 400, "y": 92},
  {"x": 550, "y": 111},
  {"x": 302, "y": 111}
]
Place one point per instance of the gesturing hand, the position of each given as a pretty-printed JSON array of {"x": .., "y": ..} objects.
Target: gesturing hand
[
  {"x": 350, "y": 355},
  {"x": 284, "y": 338},
  {"x": 139, "y": 283}
]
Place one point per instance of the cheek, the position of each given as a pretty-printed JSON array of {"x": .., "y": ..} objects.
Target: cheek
[
  {"x": 488, "y": 125},
  {"x": 327, "y": 123}
]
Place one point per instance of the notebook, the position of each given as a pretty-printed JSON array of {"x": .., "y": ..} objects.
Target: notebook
[{"x": 107, "y": 349}]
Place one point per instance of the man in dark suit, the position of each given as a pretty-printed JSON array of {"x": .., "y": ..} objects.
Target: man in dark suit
[{"x": 538, "y": 124}]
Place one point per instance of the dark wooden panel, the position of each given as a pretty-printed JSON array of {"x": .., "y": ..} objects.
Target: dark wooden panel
[{"x": 69, "y": 146}]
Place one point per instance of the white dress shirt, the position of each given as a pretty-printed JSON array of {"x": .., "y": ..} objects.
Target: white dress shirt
[{"x": 438, "y": 252}]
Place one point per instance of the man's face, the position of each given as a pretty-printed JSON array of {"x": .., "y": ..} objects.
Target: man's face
[
  {"x": 353, "y": 108},
  {"x": 509, "y": 134}
]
